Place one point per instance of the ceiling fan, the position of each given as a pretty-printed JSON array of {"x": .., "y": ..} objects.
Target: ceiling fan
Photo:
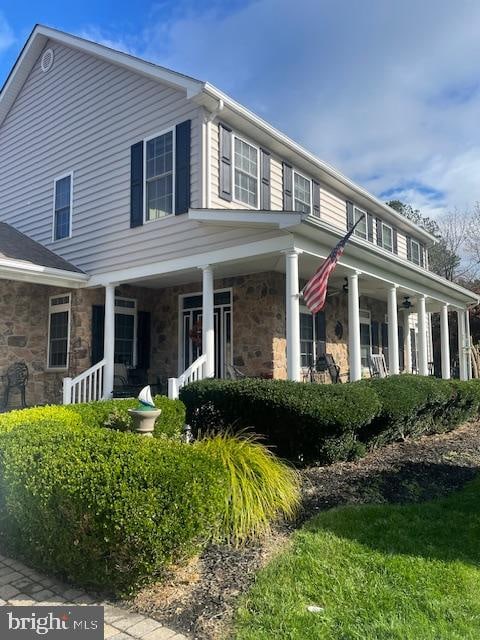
[{"x": 406, "y": 304}]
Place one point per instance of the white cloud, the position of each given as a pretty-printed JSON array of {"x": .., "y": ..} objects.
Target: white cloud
[
  {"x": 387, "y": 91},
  {"x": 6, "y": 34}
]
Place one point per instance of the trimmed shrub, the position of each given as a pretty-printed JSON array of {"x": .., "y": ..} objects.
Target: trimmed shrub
[
  {"x": 114, "y": 414},
  {"x": 324, "y": 423},
  {"x": 104, "y": 509},
  {"x": 303, "y": 422},
  {"x": 261, "y": 488},
  {"x": 416, "y": 405},
  {"x": 48, "y": 415}
]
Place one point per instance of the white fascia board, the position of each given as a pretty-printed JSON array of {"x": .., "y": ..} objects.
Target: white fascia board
[
  {"x": 36, "y": 274},
  {"x": 229, "y": 254},
  {"x": 210, "y": 98},
  {"x": 390, "y": 269},
  {"x": 41, "y": 35},
  {"x": 242, "y": 218}
]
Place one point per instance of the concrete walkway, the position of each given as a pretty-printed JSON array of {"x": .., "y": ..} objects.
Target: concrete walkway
[{"x": 21, "y": 586}]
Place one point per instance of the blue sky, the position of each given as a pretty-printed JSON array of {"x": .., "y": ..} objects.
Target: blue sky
[{"x": 387, "y": 91}]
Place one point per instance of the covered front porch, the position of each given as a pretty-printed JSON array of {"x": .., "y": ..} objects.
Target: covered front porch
[{"x": 192, "y": 323}]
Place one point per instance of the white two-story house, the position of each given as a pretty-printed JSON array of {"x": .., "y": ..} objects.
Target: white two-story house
[{"x": 150, "y": 222}]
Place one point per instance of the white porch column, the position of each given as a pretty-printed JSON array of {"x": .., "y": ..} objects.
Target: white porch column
[
  {"x": 445, "y": 342},
  {"x": 292, "y": 297},
  {"x": 469, "y": 344},
  {"x": 354, "y": 350},
  {"x": 407, "y": 342},
  {"x": 392, "y": 312},
  {"x": 109, "y": 341},
  {"x": 462, "y": 360},
  {"x": 422, "y": 337},
  {"x": 208, "y": 326}
]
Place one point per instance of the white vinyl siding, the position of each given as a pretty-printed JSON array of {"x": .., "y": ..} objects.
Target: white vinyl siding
[
  {"x": 332, "y": 207},
  {"x": 101, "y": 109}
]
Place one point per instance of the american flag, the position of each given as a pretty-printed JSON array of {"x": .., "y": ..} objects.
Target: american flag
[{"x": 315, "y": 291}]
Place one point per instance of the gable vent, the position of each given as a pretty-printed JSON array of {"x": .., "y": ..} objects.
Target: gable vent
[{"x": 47, "y": 60}]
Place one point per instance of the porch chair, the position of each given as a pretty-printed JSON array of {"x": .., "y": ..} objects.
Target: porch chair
[
  {"x": 233, "y": 373},
  {"x": 16, "y": 378},
  {"x": 327, "y": 363},
  {"x": 378, "y": 366}
]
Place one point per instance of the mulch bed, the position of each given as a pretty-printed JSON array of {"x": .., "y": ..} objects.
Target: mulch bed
[{"x": 198, "y": 599}]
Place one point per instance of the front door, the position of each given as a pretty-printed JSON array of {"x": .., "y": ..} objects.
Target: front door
[{"x": 191, "y": 330}]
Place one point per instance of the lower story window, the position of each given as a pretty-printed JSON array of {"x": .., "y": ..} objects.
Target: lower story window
[
  {"x": 58, "y": 331},
  {"x": 125, "y": 331},
  {"x": 312, "y": 337},
  {"x": 365, "y": 338}
]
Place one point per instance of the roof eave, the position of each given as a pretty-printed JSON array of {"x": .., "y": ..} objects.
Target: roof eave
[{"x": 38, "y": 274}]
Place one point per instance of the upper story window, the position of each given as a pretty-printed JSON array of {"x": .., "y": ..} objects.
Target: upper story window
[
  {"x": 415, "y": 251},
  {"x": 58, "y": 331},
  {"x": 302, "y": 193},
  {"x": 361, "y": 229},
  {"x": 387, "y": 237},
  {"x": 246, "y": 173},
  {"x": 159, "y": 163},
  {"x": 62, "y": 207}
]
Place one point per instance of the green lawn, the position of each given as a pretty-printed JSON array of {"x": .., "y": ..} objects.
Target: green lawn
[{"x": 383, "y": 572}]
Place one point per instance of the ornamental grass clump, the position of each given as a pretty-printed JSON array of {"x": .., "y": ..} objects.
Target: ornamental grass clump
[{"x": 260, "y": 487}]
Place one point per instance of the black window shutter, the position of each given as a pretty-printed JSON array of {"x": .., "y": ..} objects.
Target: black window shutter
[
  {"x": 287, "y": 187},
  {"x": 182, "y": 166},
  {"x": 385, "y": 341},
  {"x": 143, "y": 340},
  {"x": 422, "y": 255},
  {"x": 409, "y": 248},
  {"x": 350, "y": 221},
  {"x": 401, "y": 348},
  {"x": 136, "y": 184},
  {"x": 225, "y": 159},
  {"x": 375, "y": 336},
  {"x": 379, "y": 232},
  {"x": 264, "y": 180},
  {"x": 316, "y": 198},
  {"x": 98, "y": 325},
  {"x": 320, "y": 333},
  {"x": 370, "y": 227},
  {"x": 395, "y": 240}
]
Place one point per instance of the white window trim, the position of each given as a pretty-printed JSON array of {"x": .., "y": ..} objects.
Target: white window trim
[
  {"x": 361, "y": 211},
  {"x": 67, "y": 306},
  {"x": 70, "y": 223},
  {"x": 311, "y": 190},
  {"x": 412, "y": 242},
  {"x": 181, "y": 297},
  {"x": 257, "y": 148},
  {"x": 174, "y": 150},
  {"x": 384, "y": 224},
  {"x": 130, "y": 311}
]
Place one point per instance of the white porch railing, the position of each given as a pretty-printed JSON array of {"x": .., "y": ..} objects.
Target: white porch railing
[
  {"x": 196, "y": 371},
  {"x": 85, "y": 387}
]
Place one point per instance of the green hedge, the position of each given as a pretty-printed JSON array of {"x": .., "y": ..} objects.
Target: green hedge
[
  {"x": 169, "y": 424},
  {"x": 39, "y": 415},
  {"x": 104, "y": 509},
  {"x": 303, "y": 422},
  {"x": 323, "y": 423}
]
